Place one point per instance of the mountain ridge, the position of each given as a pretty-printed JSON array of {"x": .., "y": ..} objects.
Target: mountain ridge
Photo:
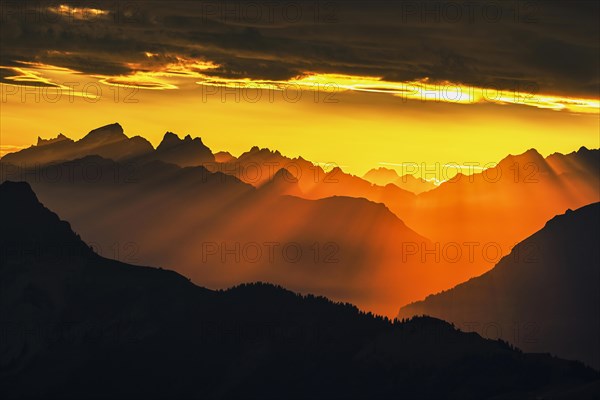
[
  {"x": 562, "y": 256},
  {"x": 195, "y": 342},
  {"x": 110, "y": 141}
]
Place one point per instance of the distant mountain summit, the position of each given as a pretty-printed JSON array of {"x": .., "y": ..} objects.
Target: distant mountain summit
[
  {"x": 543, "y": 297},
  {"x": 59, "y": 138},
  {"x": 282, "y": 183},
  {"x": 578, "y": 162},
  {"x": 262, "y": 155},
  {"x": 186, "y": 152},
  {"x": 106, "y": 134},
  {"x": 224, "y": 157},
  {"x": 381, "y": 176},
  {"x": 110, "y": 142},
  {"x": 504, "y": 204},
  {"x": 523, "y": 167},
  {"x": 315, "y": 181},
  {"x": 385, "y": 176}
]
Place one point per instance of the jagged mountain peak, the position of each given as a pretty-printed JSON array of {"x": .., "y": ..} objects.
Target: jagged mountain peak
[
  {"x": 264, "y": 150},
  {"x": 172, "y": 139},
  {"x": 531, "y": 155},
  {"x": 59, "y": 138},
  {"x": 184, "y": 152}
]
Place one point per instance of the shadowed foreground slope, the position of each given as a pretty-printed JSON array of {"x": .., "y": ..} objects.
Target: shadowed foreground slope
[
  {"x": 76, "y": 325},
  {"x": 543, "y": 297}
]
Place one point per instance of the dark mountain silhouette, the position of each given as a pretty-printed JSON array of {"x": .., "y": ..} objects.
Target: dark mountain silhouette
[
  {"x": 37, "y": 230},
  {"x": 544, "y": 296},
  {"x": 111, "y": 142},
  {"x": 108, "y": 141},
  {"x": 80, "y": 326},
  {"x": 384, "y": 176},
  {"x": 186, "y": 152},
  {"x": 582, "y": 160},
  {"x": 57, "y": 139},
  {"x": 220, "y": 231}
]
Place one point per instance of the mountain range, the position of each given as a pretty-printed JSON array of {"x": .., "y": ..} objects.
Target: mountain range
[
  {"x": 75, "y": 320},
  {"x": 220, "y": 231},
  {"x": 111, "y": 142},
  {"x": 518, "y": 195},
  {"x": 180, "y": 206}
]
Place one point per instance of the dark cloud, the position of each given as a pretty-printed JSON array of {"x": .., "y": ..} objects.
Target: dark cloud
[{"x": 551, "y": 44}]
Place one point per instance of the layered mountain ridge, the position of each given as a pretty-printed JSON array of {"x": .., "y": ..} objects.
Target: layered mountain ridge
[
  {"x": 103, "y": 319},
  {"x": 231, "y": 210}
]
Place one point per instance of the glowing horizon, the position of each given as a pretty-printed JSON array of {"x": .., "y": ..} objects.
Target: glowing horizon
[{"x": 290, "y": 116}]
